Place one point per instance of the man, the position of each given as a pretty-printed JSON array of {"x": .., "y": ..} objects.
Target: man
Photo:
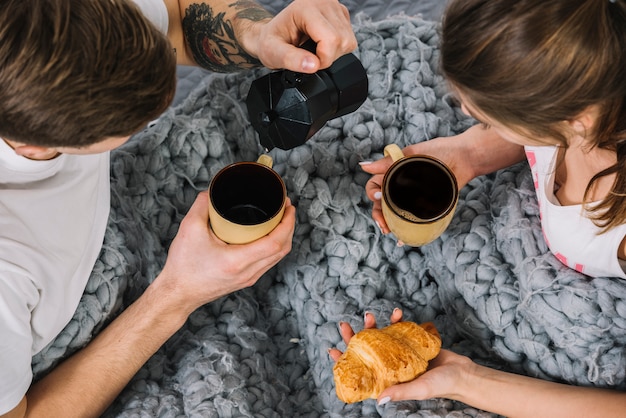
[{"x": 77, "y": 79}]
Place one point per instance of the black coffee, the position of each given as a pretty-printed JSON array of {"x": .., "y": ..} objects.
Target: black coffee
[
  {"x": 420, "y": 190},
  {"x": 246, "y": 214},
  {"x": 247, "y": 193}
]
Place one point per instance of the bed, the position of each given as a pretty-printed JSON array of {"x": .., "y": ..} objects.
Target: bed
[{"x": 489, "y": 283}]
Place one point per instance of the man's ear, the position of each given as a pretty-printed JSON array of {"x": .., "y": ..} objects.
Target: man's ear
[{"x": 34, "y": 152}]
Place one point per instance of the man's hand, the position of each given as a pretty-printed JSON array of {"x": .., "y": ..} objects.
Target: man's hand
[
  {"x": 201, "y": 268},
  {"x": 326, "y": 22},
  {"x": 225, "y": 35}
]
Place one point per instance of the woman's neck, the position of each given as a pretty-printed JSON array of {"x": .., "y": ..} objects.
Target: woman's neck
[{"x": 576, "y": 166}]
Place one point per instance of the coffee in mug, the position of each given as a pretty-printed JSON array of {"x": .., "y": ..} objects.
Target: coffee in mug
[
  {"x": 419, "y": 197},
  {"x": 247, "y": 201}
]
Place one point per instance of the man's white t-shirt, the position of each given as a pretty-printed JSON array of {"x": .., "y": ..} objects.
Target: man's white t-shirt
[
  {"x": 572, "y": 237},
  {"x": 53, "y": 216}
]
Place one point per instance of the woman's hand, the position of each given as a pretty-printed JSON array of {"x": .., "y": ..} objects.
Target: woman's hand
[
  {"x": 443, "y": 375},
  {"x": 347, "y": 332},
  {"x": 475, "y": 152},
  {"x": 445, "y": 149}
]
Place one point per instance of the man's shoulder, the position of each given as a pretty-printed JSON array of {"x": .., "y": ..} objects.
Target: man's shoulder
[{"x": 156, "y": 12}]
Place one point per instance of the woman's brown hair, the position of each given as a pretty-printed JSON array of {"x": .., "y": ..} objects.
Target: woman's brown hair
[
  {"x": 533, "y": 64},
  {"x": 76, "y": 72}
]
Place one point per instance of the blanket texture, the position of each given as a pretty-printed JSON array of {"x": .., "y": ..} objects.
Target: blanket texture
[{"x": 489, "y": 283}]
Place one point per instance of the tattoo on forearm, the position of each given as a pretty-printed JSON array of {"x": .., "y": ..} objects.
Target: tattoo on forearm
[{"x": 211, "y": 37}]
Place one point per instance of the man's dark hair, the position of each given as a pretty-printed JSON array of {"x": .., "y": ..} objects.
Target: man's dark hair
[{"x": 76, "y": 72}]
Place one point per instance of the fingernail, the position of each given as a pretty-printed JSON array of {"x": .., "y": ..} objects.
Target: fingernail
[
  {"x": 384, "y": 400},
  {"x": 400, "y": 244},
  {"x": 365, "y": 316},
  {"x": 378, "y": 195},
  {"x": 341, "y": 324},
  {"x": 365, "y": 162},
  {"x": 379, "y": 227},
  {"x": 395, "y": 310},
  {"x": 308, "y": 64}
]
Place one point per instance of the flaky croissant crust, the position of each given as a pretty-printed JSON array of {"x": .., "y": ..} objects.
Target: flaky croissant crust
[{"x": 378, "y": 358}]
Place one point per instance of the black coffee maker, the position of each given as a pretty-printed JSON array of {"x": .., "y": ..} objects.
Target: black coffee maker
[{"x": 286, "y": 108}]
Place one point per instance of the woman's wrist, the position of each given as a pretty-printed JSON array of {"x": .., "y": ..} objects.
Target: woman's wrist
[
  {"x": 467, "y": 379},
  {"x": 472, "y": 378},
  {"x": 488, "y": 151}
]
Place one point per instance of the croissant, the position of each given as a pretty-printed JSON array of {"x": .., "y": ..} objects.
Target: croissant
[{"x": 378, "y": 358}]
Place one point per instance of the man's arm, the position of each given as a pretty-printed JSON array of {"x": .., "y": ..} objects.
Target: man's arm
[
  {"x": 230, "y": 35},
  {"x": 199, "y": 269},
  {"x": 208, "y": 33}
]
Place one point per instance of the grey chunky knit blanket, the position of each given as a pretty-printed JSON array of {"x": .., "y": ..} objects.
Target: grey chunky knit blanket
[{"x": 489, "y": 283}]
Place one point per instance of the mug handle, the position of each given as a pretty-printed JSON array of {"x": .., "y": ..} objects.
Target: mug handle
[
  {"x": 266, "y": 160},
  {"x": 393, "y": 151}
]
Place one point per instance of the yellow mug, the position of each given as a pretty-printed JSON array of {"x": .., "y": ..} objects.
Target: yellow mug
[
  {"x": 247, "y": 201},
  {"x": 419, "y": 197}
]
